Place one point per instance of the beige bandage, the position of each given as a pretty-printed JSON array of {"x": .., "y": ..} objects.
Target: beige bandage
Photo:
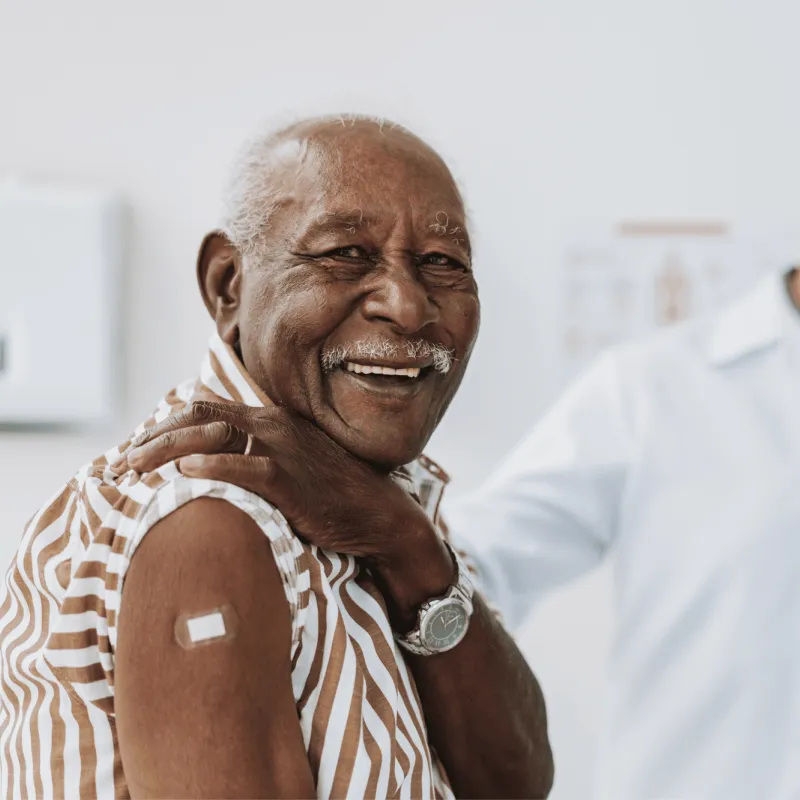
[{"x": 206, "y": 627}]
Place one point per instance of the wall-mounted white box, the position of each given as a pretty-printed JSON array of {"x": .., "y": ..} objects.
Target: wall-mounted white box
[{"x": 60, "y": 265}]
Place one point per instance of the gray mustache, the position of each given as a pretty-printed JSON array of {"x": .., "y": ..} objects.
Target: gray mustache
[{"x": 442, "y": 356}]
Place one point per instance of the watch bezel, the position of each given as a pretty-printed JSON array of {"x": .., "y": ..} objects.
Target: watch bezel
[{"x": 431, "y": 613}]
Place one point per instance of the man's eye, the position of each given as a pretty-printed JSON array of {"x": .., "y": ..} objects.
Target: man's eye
[
  {"x": 353, "y": 251},
  {"x": 441, "y": 260}
]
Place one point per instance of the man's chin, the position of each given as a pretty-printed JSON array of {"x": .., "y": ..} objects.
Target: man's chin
[
  {"x": 386, "y": 430},
  {"x": 385, "y": 444},
  {"x": 388, "y": 458}
]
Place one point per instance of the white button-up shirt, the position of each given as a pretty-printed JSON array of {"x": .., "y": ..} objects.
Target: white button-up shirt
[{"x": 680, "y": 456}]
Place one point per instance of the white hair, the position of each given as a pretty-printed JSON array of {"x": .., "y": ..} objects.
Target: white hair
[{"x": 248, "y": 197}]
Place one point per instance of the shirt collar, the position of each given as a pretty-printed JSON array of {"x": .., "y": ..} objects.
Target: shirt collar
[
  {"x": 752, "y": 323},
  {"x": 223, "y": 374}
]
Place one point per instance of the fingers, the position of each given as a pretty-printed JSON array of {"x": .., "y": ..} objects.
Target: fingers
[
  {"x": 193, "y": 414},
  {"x": 204, "y": 427},
  {"x": 258, "y": 474},
  {"x": 207, "y": 396},
  {"x": 203, "y": 412},
  {"x": 216, "y": 437},
  {"x": 259, "y": 422}
]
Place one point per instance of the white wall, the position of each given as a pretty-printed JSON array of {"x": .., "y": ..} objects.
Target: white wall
[{"x": 549, "y": 110}]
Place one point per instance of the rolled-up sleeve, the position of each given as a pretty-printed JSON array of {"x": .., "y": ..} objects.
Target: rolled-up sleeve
[{"x": 550, "y": 511}]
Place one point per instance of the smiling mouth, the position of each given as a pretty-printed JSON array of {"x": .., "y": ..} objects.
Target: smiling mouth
[
  {"x": 380, "y": 375},
  {"x": 378, "y": 369}
]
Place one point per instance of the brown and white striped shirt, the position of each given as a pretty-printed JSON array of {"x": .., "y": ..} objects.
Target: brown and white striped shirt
[{"x": 359, "y": 710}]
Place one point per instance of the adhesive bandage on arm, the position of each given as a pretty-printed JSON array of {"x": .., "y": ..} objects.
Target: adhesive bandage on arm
[{"x": 206, "y": 627}]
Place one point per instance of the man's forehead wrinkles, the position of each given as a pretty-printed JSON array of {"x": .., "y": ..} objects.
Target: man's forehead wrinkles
[
  {"x": 326, "y": 220},
  {"x": 448, "y": 226},
  {"x": 352, "y": 218}
]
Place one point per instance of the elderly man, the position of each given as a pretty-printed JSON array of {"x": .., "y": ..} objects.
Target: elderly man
[{"x": 325, "y": 643}]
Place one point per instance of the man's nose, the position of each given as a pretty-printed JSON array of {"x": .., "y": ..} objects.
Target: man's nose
[{"x": 402, "y": 300}]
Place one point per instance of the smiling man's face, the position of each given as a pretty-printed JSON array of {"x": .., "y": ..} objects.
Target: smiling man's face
[{"x": 360, "y": 310}]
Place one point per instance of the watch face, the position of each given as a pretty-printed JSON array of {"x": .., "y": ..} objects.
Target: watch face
[{"x": 444, "y": 626}]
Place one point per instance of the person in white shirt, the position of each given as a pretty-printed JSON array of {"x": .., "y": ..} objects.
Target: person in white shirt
[{"x": 678, "y": 455}]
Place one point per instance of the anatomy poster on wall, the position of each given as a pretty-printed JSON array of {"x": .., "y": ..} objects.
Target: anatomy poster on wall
[{"x": 625, "y": 280}]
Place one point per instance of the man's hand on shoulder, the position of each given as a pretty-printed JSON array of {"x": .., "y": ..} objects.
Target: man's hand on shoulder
[
  {"x": 330, "y": 498},
  {"x": 203, "y": 693}
]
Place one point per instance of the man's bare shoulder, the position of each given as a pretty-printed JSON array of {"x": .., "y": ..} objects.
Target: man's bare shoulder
[{"x": 204, "y": 547}]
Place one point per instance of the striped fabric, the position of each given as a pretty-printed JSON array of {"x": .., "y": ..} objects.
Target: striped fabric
[{"x": 358, "y": 707}]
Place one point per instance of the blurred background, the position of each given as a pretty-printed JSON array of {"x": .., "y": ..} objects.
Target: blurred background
[{"x": 556, "y": 115}]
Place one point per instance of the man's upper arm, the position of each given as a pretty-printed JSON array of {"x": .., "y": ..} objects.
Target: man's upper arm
[
  {"x": 215, "y": 717},
  {"x": 550, "y": 510}
]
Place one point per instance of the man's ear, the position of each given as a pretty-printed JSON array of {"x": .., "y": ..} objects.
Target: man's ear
[{"x": 219, "y": 274}]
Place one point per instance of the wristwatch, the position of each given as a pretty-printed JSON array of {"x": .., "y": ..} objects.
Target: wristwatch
[{"x": 442, "y": 622}]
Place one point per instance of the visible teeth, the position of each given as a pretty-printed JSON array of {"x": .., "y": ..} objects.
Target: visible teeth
[{"x": 363, "y": 369}]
